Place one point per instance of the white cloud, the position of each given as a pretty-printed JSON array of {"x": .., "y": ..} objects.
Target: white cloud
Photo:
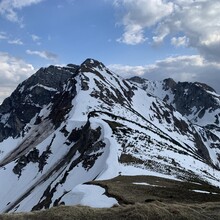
[
  {"x": 140, "y": 14},
  {"x": 162, "y": 33},
  {"x": 16, "y": 41},
  {"x": 35, "y": 37},
  {"x": 12, "y": 72},
  {"x": 198, "y": 21},
  {"x": 133, "y": 35},
  {"x": 3, "y": 36},
  {"x": 8, "y": 8},
  {"x": 126, "y": 70},
  {"x": 179, "y": 41},
  {"x": 180, "y": 68},
  {"x": 5, "y": 92},
  {"x": 43, "y": 54}
]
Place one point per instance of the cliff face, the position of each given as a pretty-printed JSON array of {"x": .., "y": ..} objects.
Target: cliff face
[{"x": 30, "y": 97}]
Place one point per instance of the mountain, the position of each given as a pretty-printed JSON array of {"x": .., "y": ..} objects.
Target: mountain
[
  {"x": 196, "y": 101},
  {"x": 65, "y": 126}
]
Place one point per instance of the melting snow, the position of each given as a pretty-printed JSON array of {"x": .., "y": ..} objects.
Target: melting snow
[
  {"x": 201, "y": 191},
  {"x": 147, "y": 184},
  {"x": 93, "y": 196}
]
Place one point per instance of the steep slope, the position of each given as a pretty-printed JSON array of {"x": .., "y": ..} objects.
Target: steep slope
[
  {"x": 196, "y": 101},
  {"x": 93, "y": 125}
]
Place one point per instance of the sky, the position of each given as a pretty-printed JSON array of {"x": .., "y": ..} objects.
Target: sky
[{"x": 155, "y": 39}]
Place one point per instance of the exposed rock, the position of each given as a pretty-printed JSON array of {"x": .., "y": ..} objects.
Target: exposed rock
[
  {"x": 188, "y": 96},
  {"x": 30, "y": 97},
  {"x": 169, "y": 84},
  {"x": 137, "y": 79}
]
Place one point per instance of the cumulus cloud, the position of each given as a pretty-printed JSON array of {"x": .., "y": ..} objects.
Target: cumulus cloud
[
  {"x": 140, "y": 14},
  {"x": 180, "y": 68},
  {"x": 196, "y": 20},
  {"x": 133, "y": 35},
  {"x": 43, "y": 54},
  {"x": 199, "y": 21},
  {"x": 12, "y": 72},
  {"x": 8, "y": 9}
]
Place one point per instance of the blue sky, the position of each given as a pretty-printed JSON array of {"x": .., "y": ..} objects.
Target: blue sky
[{"x": 155, "y": 39}]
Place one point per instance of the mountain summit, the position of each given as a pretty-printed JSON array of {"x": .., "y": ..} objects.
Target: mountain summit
[{"x": 65, "y": 126}]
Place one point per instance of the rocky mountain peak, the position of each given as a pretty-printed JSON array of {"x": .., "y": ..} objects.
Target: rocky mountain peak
[
  {"x": 138, "y": 79},
  {"x": 90, "y": 64},
  {"x": 169, "y": 83},
  {"x": 30, "y": 97},
  {"x": 72, "y": 66},
  {"x": 197, "y": 96}
]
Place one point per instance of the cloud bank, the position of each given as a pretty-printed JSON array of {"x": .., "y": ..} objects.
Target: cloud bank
[
  {"x": 12, "y": 72},
  {"x": 180, "y": 68},
  {"x": 194, "y": 23}
]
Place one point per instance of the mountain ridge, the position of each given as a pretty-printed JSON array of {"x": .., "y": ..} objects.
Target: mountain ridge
[{"x": 83, "y": 122}]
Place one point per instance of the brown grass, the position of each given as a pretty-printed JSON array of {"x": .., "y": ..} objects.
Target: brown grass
[
  {"x": 150, "y": 211},
  {"x": 161, "y": 189}
]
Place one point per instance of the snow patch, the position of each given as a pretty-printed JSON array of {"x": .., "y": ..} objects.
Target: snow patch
[
  {"x": 93, "y": 196},
  {"x": 202, "y": 191},
  {"x": 146, "y": 184}
]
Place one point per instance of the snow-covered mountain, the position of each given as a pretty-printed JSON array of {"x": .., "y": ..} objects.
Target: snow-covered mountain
[{"x": 65, "y": 126}]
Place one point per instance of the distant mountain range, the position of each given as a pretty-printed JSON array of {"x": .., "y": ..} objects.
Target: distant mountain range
[{"x": 65, "y": 126}]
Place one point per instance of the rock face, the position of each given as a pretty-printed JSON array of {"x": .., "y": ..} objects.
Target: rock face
[
  {"x": 65, "y": 126},
  {"x": 188, "y": 96},
  {"x": 30, "y": 97}
]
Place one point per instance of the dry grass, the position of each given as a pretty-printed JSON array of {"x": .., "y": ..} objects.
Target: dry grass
[
  {"x": 150, "y": 211},
  {"x": 160, "y": 189}
]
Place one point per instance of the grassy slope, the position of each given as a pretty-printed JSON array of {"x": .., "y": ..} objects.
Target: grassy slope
[
  {"x": 167, "y": 200},
  {"x": 160, "y": 189},
  {"x": 151, "y": 211}
]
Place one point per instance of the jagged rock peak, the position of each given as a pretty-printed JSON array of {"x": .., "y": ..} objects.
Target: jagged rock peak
[
  {"x": 74, "y": 66},
  {"x": 30, "y": 97},
  {"x": 169, "y": 83},
  {"x": 92, "y": 63},
  {"x": 138, "y": 79},
  {"x": 197, "y": 85},
  {"x": 190, "y": 95}
]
